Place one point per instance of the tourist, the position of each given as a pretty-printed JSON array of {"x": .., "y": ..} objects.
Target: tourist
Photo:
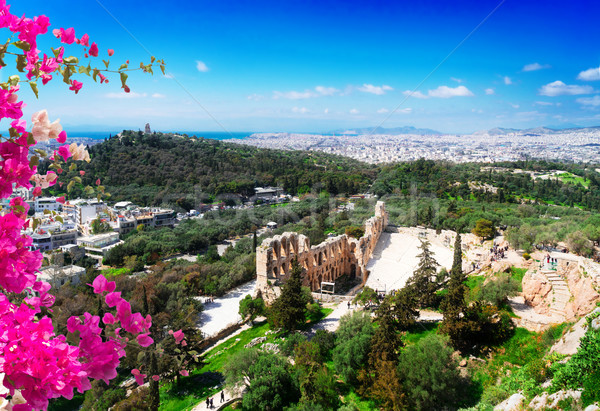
[
  {"x": 222, "y": 395},
  {"x": 207, "y": 402},
  {"x": 211, "y": 403}
]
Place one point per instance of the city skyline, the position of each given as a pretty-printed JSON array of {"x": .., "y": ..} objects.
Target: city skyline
[{"x": 320, "y": 66}]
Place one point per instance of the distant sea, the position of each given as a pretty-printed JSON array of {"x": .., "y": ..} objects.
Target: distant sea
[{"x": 215, "y": 135}]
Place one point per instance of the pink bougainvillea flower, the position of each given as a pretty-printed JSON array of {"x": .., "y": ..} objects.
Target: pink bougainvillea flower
[
  {"x": 185, "y": 373},
  {"x": 37, "y": 191},
  {"x": 108, "y": 318},
  {"x": 68, "y": 35},
  {"x": 75, "y": 86},
  {"x": 110, "y": 52},
  {"x": 62, "y": 137},
  {"x": 126, "y": 89},
  {"x": 156, "y": 378},
  {"x": 81, "y": 172},
  {"x": 98, "y": 182},
  {"x": 112, "y": 299},
  {"x": 139, "y": 377},
  {"x": 60, "y": 200},
  {"x": 79, "y": 152},
  {"x": 85, "y": 40},
  {"x": 178, "y": 335},
  {"x": 144, "y": 340},
  {"x": 94, "y": 50},
  {"x": 101, "y": 285},
  {"x": 64, "y": 152}
]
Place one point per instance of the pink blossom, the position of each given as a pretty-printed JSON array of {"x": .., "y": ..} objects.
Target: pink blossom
[
  {"x": 108, "y": 318},
  {"x": 75, "y": 86},
  {"x": 185, "y": 373},
  {"x": 156, "y": 378},
  {"x": 101, "y": 285},
  {"x": 139, "y": 378},
  {"x": 64, "y": 152},
  {"x": 68, "y": 35},
  {"x": 60, "y": 199},
  {"x": 94, "y": 50},
  {"x": 62, "y": 137},
  {"x": 84, "y": 41},
  {"x": 110, "y": 52},
  {"x": 37, "y": 191},
  {"x": 144, "y": 340},
  {"x": 112, "y": 299},
  {"x": 98, "y": 182},
  {"x": 81, "y": 172}
]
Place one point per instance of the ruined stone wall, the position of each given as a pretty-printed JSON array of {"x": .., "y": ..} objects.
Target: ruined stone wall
[{"x": 327, "y": 261}]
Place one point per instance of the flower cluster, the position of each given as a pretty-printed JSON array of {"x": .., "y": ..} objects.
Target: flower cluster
[{"x": 37, "y": 363}]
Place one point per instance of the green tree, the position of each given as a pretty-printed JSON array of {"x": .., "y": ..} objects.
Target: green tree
[
  {"x": 429, "y": 374},
  {"x": 499, "y": 289},
  {"x": 100, "y": 226},
  {"x": 366, "y": 297},
  {"x": 423, "y": 281},
  {"x": 317, "y": 384},
  {"x": 250, "y": 308},
  {"x": 289, "y": 310},
  {"x": 484, "y": 228},
  {"x": 353, "y": 343},
  {"x": 266, "y": 376}
]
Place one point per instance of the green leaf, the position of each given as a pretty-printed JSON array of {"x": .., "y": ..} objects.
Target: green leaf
[
  {"x": 14, "y": 80},
  {"x": 21, "y": 63},
  {"x": 106, "y": 63},
  {"x": 77, "y": 179},
  {"x": 162, "y": 68},
  {"x": 59, "y": 218},
  {"x": 73, "y": 167},
  {"x": 30, "y": 139},
  {"x": 71, "y": 60},
  {"x": 34, "y": 88},
  {"x": 23, "y": 45},
  {"x": 35, "y": 223},
  {"x": 42, "y": 153},
  {"x": 89, "y": 190},
  {"x": 123, "y": 66},
  {"x": 46, "y": 212},
  {"x": 95, "y": 74},
  {"x": 124, "y": 79},
  {"x": 34, "y": 161},
  {"x": 70, "y": 186}
]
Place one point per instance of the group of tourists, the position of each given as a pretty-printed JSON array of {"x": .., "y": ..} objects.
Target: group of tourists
[{"x": 498, "y": 252}]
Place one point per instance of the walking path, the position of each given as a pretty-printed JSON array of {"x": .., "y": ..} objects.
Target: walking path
[{"x": 223, "y": 311}]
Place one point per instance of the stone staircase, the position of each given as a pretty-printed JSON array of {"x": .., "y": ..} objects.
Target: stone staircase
[{"x": 560, "y": 292}]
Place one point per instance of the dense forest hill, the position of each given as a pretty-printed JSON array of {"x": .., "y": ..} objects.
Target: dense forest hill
[
  {"x": 517, "y": 182},
  {"x": 150, "y": 169}
]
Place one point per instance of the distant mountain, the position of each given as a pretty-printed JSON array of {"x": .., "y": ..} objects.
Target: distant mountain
[
  {"x": 391, "y": 131},
  {"x": 537, "y": 130}
]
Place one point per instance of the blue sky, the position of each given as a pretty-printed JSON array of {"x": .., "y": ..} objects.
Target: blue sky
[{"x": 323, "y": 65}]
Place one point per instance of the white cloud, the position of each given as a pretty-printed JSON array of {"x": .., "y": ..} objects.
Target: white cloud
[
  {"x": 293, "y": 95},
  {"x": 478, "y": 111},
  {"x": 589, "y": 74},
  {"x": 326, "y": 111},
  {"x": 158, "y": 95},
  {"x": 447, "y": 92},
  {"x": 514, "y": 105},
  {"x": 535, "y": 66},
  {"x": 201, "y": 66},
  {"x": 406, "y": 110},
  {"x": 299, "y": 95},
  {"x": 378, "y": 90},
  {"x": 544, "y": 103},
  {"x": 441, "y": 92},
  {"x": 354, "y": 111},
  {"x": 458, "y": 80},
  {"x": 168, "y": 75},
  {"x": 256, "y": 97},
  {"x": 589, "y": 101},
  {"x": 558, "y": 88},
  {"x": 489, "y": 91},
  {"x": 326, "y": 91},
  {"x": 415, "y": 94},
  {"x": 132, "y": 94},
  {"x": 301, "y": 110},
  {"x": 507, "y": 80},
  {"x": 383, "y": 111}
]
